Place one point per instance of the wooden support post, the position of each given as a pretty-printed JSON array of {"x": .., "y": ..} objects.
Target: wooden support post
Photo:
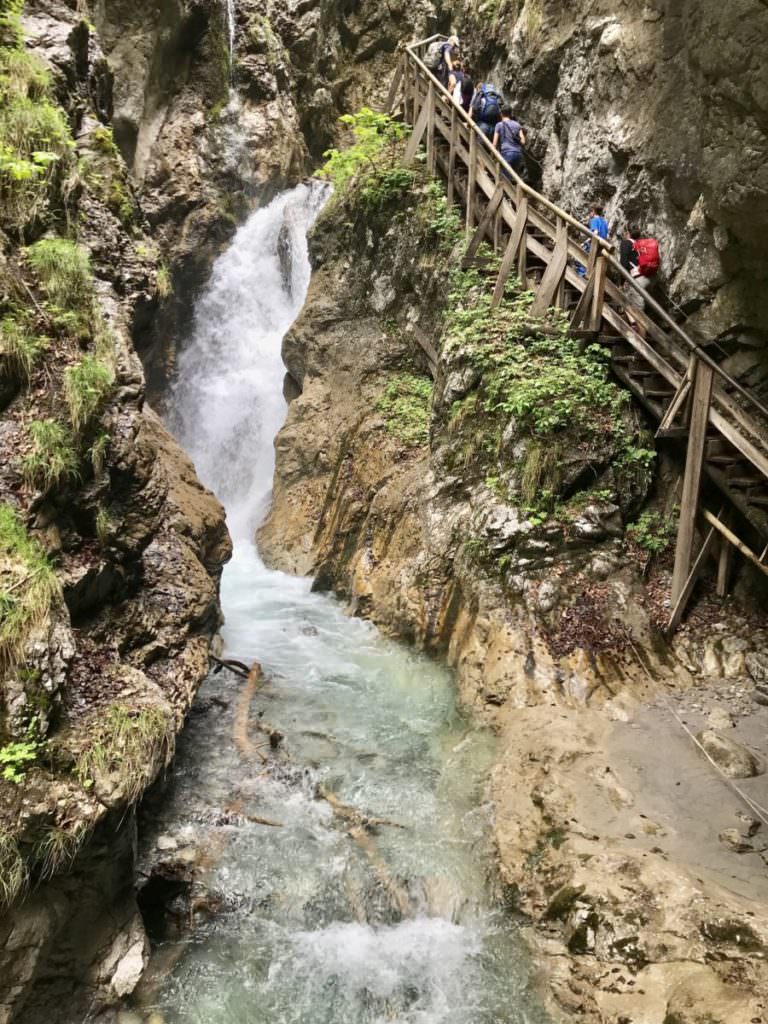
[
  {"x": 394, "y": 88},
  {"x": 553, "y": 275},
  {"x": 472, "y": 181},
  {"x": 689, "y": 502},
  {"x": 675, "y": 405},
  {"x": 598, "y": 293},
  {"x": 483, "y": 226},
  {"x": 685, "y": 593},
  {"x": 515, "y": 246},
  {"x": 452, "y": 154},
  {"x": 431, "y": 162},
  {"x": 415, "y": 139},
  {"x": 738, "y": 544},
  {"x": 724, "y": 563}
]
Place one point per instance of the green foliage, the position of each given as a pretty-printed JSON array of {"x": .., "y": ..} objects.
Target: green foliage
[
  {"x": 64, "y": 271},
  {"x": 653, "y": 532},
  {"x": 98, "y": 453},
  {"x": 20, "y": 345},
  {"x": 129, "y": 743},
  {"x": 371, "y": 165},
  {"x": 405, "y": 404},
  {"x": 163, "y": 283},
  {"x": 28, "y": 585},
  {"x": 104, "y": 142},
  {"x": 16, "y": 758},
  {"x": 103, "y": 525},
  {"x": 442, "y": 218},
  {"x": 34, "y": 133},
  {"x": 13, "y": 872},
  {"x": 57, "y": 849},
  {"x": 52, "y": 460},
  {"x": 86, "y": 387}
]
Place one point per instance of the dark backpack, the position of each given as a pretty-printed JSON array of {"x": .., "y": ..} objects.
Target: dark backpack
[
  {"x": 487, "y": 105},
  {"x": 434, "y": 56},
  {"x": 648, "y": 259}
]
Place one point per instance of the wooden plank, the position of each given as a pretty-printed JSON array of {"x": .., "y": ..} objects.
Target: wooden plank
[
  {"x": 724, "y": 563},
  {"x": 689, "y": 501},
  {"x": 415, "y": 140},
  {"x": 598, "y": 293},
  {"x": 483, "y": 226},
  {"x": 682, "y": 601},
  {"x": 675, "y": 405},
  {"x": 512, "y": 252},
  {"x": 394, "y": 88},
  {"x": 431, "y": 129},
  {"x": 738, "y": 544},
  {"x": 452, "y": 157},
  {"x": 553, "y": 274},
  {"x": 579, "y": 314},
  {"x": 472, "y": 182}
]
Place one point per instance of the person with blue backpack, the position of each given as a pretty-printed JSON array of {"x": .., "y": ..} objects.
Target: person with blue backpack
[
  {"x": 486, "y": 109},
  {"x": 509, "y": 139},
  {"x": 598, "y": 225}
]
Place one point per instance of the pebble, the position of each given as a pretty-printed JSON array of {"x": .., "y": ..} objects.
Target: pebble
[{"x": 166, "y": 843}]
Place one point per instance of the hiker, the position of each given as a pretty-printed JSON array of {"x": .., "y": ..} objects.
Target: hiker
[
  {"x": 599, "y": 226},
  {"x": 486, "y": 109},
  {"x": 448, "y": 55},
  {"x": 467, "y": 90},
  {"x": 640, "y": 258},
  {"x": 509, "y": 139},
  {"x": 456, "y": 82}
]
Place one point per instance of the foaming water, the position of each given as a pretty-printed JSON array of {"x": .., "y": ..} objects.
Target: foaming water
[{"x": 319, "y": 919}]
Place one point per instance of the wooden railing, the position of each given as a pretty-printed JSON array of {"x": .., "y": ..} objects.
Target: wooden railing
[{"x": 691, "y": 396}]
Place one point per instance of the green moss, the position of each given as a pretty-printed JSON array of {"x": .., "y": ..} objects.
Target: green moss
[
  {"x": 405, "y": 404},
  {"x": 28, "y": 585},
  {"x": 86, "y": 387},
  {"x": 52, "y": 459}
]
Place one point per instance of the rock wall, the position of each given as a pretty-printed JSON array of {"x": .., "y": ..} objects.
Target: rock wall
[
  {"x": 658, "y": 110},
  {"x": 632, "y": 904}
]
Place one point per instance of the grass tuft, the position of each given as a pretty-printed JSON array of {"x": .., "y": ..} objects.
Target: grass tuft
[
  {"x": 20, "y": 346},
  {"x": 28, "y": 585},
  {"x": 53, "y": 459},
  {"x": 13, "y": 871},
  {"x": 57, "y": 850},
  {"x": 130, "y": 744},
  {"x": 86, "y": 387},
  {"x": 64, "y": 271}
]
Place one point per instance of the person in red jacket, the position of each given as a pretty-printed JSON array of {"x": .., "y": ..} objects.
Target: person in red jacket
[{"x": 639, "y": 257}]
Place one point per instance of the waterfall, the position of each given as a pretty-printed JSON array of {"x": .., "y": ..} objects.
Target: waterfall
[
  {"x": 227, "y": 404},
  {"x": 231, "y": 25}
]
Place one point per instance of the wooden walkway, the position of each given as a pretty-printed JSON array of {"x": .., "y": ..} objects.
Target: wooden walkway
[{"x": 720, "y": 427}]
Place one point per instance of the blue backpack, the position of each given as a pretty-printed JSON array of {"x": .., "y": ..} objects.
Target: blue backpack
[{"x": 487, "y": 104}]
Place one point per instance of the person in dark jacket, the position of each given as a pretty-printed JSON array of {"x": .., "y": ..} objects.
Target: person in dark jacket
[
  {"x": 449, "y": 54},
  {"x": 633, "y": 297},
  {"x": 509, "y": 139}
]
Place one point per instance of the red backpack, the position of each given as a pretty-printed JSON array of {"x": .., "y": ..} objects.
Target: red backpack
[{"x": 648, "y": 260}]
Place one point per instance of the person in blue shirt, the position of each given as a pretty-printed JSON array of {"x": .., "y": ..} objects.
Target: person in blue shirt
[
  {"x": 509, "y": 138},
  {"x": 597, "y": 224}
]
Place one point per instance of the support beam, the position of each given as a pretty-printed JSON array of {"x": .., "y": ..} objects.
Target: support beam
[
  {"x": 483, "y": 226},
  {"x": 553, "y": 275},
  {"x": 394, "y": 88},
  {"x": 685, "y": 593},
  {"x": 452, "y": 155},
  {"x": 724, "y": 564},
  {"x": 418, "y": 134},
  {"x": 739, "y": 545},
  {"x": 689, "y": 502},
  {"x": 431, "y": 128},
  {"x": 598, "y": 293},
  {"x": 472, "y": 183},
  {"x": 513, "y": 250}
]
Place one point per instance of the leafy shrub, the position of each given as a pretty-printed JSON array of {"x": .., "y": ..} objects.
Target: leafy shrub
[
  {"x": 16, "y": 758},
  {"x": 20, "y": 346},
  {"x": 405, "y": 405},
  {"x": 86, "y": 387},
  {"x": 52, "y": 459},
  {"x": 64, "y": 271},
  {"x": 34, "y": 133},
  {"x": 371, "y": 165},
  {"x": 653, "y": 532},
  {"x": 28, "y": 585}
]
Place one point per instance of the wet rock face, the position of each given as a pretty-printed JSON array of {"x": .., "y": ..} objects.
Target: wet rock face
[{"x": 660, "y": 111}]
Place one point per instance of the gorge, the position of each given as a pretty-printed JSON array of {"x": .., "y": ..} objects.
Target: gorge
[{"x": 505, "y": 819}]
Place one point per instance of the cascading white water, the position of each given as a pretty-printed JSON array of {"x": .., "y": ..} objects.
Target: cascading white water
[
  {"x": 231, "y": 29},
  {"x": 315, "y": 927}
]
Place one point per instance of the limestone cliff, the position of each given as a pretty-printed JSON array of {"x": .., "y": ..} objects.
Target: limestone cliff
[{"x": 110, "y": 550}]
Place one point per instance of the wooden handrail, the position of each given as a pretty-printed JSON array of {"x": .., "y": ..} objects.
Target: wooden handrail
[{"x": 583, "y": 230}]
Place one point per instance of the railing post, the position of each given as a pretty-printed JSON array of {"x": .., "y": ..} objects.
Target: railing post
[
  {"x": 598, "y": 293},
  {"x": 515, "y": 252},
  {"x": 472, "y": 180},
  {"x": 689, "y": 502},
  {"x": 431, "y": 160},
  {"x": 452, "y": 154}
]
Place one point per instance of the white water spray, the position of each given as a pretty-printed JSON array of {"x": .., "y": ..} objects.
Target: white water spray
[
  {"x": 227, "y": 403},
  {"x": 231, "y": 27}
]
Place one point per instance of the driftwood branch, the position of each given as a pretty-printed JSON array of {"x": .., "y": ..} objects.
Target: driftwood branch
[{"x": 232, "y": 664}]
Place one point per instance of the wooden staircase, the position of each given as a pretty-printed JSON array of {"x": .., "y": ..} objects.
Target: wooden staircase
[{"x": 720, "y": 428}]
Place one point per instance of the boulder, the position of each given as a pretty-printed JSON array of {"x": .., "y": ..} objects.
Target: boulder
[{"x": 731, "y": 757}]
